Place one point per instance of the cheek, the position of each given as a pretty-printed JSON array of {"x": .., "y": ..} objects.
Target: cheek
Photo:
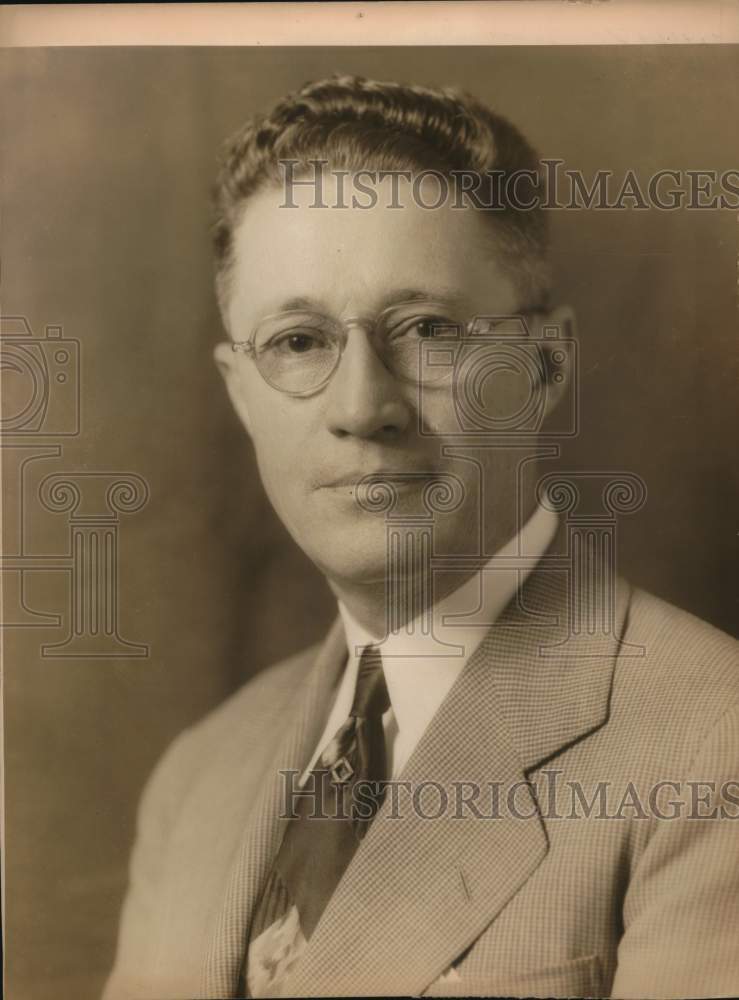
[
  {"x": 281, "y": 439},
  {"x": 505, "y": 394},
  {"x": 490, "y": 396},
  {"x": 435, "y": 411},
  {"x": 275, "y": 441}
]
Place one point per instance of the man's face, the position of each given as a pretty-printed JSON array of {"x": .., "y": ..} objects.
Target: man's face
[{"x": 350, "y": 263}]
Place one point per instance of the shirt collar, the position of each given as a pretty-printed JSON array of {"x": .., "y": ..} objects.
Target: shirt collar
[{"x": 420, "y": 667}]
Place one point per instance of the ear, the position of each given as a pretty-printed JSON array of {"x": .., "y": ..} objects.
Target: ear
[
  {"x": 229, "y": 365},
  {"x": 555, "y": 331}
]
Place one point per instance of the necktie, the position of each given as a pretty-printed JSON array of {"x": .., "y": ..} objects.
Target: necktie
[{"x": 341, "y": 797}]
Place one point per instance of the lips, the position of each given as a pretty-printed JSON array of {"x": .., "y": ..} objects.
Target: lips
[{"x": 398, "y": 477}]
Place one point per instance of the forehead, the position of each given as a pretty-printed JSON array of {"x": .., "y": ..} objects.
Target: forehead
[{"x": 352, "y": 258}]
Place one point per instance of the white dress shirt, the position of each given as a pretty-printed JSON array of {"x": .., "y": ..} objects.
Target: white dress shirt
[{"x": 420, "y": 668}]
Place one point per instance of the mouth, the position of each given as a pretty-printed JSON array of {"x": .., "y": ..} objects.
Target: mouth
[{"x": 400, "y": 479}]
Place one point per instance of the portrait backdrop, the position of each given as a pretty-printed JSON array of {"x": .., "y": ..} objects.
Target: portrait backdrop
[{"x": 108, "y": 160}]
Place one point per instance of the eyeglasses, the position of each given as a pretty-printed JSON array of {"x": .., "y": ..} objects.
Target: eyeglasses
[{"x": 298, "y": 351}]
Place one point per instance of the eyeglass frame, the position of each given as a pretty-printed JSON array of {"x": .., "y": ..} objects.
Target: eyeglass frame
[{"x": 247, "y": 347}]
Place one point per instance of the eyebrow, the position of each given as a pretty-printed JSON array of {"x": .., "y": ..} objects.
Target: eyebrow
[
  {"x": 446, "y": 295},
  {"x": 300, "y": 302}
]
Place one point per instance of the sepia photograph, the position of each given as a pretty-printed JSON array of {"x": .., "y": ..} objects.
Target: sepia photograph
[{"x": 368, "y": 443}]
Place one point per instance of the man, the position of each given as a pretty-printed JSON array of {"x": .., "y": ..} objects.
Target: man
[{"x": 505, "y": 772}]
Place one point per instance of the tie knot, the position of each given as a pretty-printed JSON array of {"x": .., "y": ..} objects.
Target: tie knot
[{"x": 371, "y": 697}]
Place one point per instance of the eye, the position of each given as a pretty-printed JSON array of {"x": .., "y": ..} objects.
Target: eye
[
  {"x": 298, "y": 343},
  {"x": 297, "y": 340},
  {"x": 420, "y": 327},
  {"x": 427, "y": 327}
]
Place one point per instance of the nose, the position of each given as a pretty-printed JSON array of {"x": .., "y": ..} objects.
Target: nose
[{"x": 364, "y": 399}]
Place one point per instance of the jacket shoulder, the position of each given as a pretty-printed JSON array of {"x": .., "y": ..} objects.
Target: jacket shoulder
[
  {"x": 687, "y": 639},
  {"x": 675, "y": 672},
  {"x": 231, "y": 728},
  {"x": 262, "y": 692}
]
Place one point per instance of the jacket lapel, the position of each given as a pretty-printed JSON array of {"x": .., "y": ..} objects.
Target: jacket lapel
[
  {"x": 419, "y": 891},
  {"x": 302, "y": 724}
]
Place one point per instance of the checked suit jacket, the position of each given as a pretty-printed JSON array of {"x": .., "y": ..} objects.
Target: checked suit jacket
[{"x": 532, "y": 903}]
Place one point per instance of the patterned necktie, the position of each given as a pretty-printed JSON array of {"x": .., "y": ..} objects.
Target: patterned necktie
[{"x": 342, "y": 797}]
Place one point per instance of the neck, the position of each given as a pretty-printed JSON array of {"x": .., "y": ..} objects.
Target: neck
[{"x": 365, "y": 602}]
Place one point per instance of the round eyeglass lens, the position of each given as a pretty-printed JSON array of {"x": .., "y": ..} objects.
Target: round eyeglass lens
[{"x": 296, "y": 352}]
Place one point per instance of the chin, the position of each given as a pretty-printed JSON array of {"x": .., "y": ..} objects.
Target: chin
[
  {"x": 356, "y": 557},
  {"x": 351, "y": 561}
]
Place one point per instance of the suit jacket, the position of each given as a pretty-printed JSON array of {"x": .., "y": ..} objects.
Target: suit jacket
[{"x": 532, "y": 903}]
